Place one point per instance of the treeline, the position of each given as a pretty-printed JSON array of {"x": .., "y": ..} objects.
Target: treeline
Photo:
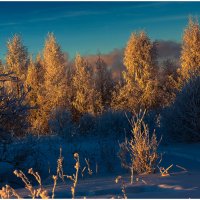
[{"x": 37, "y": 93}]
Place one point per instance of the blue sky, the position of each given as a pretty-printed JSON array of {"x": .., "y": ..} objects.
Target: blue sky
[{"x": 91, "y": 27}]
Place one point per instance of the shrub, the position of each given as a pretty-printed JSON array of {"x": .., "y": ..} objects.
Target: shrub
[
  {"x": 86, "y": 125},
  {"x": 112, "y": 123},
  {"x": 13, "y": 114},
  {"x": 182, "y": 119},
  {"x": 61, "y": 123},
  {"x": 139, "y": 153}
]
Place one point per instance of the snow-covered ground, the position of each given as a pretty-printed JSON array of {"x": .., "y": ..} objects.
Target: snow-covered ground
[{"x": 183, "y": 182}]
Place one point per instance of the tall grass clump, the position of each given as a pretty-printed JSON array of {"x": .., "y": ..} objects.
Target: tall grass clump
[{"x": 139, "y": 152}]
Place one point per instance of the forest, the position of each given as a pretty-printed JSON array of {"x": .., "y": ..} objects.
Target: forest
[{"x": 52, "y": 105}]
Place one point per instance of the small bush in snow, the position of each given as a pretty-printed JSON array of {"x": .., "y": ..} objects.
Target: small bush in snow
[{"x": 139, "y": 153}]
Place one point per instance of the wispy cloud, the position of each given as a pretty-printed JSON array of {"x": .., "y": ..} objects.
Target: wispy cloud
[
  {"x": 165, "y": 18},
  {"x": 66, "y": 15},
  {"x": 91, "y": 13},
  {"x": 59, "y": 14},
  {"x": 9, "y": 24},
  {"x": 148, "y": 5},
  {"x": 56, "y": 17},
  {"x": 79, "y": 13},
  {"x": 109, "y": 8}
]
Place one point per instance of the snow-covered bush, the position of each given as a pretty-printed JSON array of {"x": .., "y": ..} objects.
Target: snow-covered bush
[
  {"x": 109, "y": 124},
  {"x": 112, "y": 124},
  {"x": 182, "y": 120},
  {"x": 86, "y": 125},
  {"x": 61, "y": 124},
  {"x": 13, "y": 113}
]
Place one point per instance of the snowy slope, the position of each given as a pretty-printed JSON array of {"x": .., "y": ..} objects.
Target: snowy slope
[{"x": 180, "y": 184}]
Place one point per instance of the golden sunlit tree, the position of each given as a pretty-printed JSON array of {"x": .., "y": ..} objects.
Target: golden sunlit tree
[
  {"x": 103, "y": 83},
  {"x": 39, "y": 63},
  {"x": 140, "y": 83},
  {"x": 55, "y": 72},
  {"x": 53, "y": 91},
  {"x": 168, "y": 82},
  {"x": 17, "y": 57},
  {"x": 36, "y": 96},
  {"x": 86, "y": 98},
  {"x": 32, "y": 82},
  {"x": 33, "y": 86},
  {"x": 190, "y": 54}
]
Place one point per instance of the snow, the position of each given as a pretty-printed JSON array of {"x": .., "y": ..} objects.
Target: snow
[{"x": 183, "y": 181}]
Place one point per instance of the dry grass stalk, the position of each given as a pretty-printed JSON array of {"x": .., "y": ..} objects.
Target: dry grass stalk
[
  {"x": 90, "y": 172},
  {"x": 165, "y": 172},
  {"x": 36, "y": 175},
  {"x": 7, "y": 192},
  {"x": 40, "y": 192},
  {"x": 123, "y": 186},
  {"x": 184, "y": 169},
  {"x": 49, "y": 168},
  {"x": 60, "y": 172},
  {"x": 27, "y": 183},
  {"x": 96, "y": 168},
  {"x": 55, "y": 178},
  {"x": 75, "y": 176},
  {"x": 4, "y": 193},
  {"x": 144, "y": 182},
  {"x": 82, "y": 172},
  {"x": 88, "y": 167}
]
